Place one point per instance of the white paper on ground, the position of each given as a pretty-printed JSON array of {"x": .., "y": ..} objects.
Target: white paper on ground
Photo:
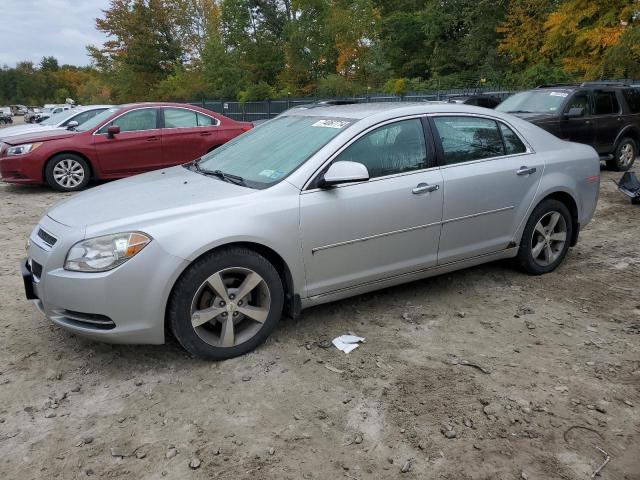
[{"x": 347, "y": 343}]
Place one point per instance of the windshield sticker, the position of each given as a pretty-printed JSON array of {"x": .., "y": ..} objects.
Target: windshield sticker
[
  {"x": 331, "y": 124},
  {"x": 272, "y": 174},
  {"x": 559, "y": 94}
]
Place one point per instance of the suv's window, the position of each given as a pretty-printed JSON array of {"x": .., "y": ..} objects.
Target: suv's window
[
  {"x": 606, "y": 103},
  {"x": 135, "y": 120},
  {"x": 179, "y": 118},
  {"x": 468, "y": 138},
  {"x": 394, "y": 148},
  {"x": 512, "y": 142},
  {"x": 632, "y": 96},
  {"x": 580, "y": 100}
]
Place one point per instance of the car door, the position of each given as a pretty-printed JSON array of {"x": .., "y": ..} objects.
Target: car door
[
  {"x": 608, "y": 120},
  {"x": 490, "y": 178},
  {"x": 363, "y": 232},
  {"x": 138, "y": 146},
  {"x": 578, "y": 129},
  {"x": 186, "y": 135}
]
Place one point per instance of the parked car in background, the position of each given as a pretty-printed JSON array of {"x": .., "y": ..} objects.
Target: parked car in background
[
  {"x": 5, "y": 120},
  {"x": 30, "y": 116},
  {"x": 118, "y": 142},
  {"x": 46, "y": 112},
  {"x": 605, "y": 115},
  {"x": 6, "y": 111},
  {"x": 480, "y": 100},
  {"x": 313, "y": 206},
  {"x": 18, "y": 109},
  {"x": 65, "y": 119}
]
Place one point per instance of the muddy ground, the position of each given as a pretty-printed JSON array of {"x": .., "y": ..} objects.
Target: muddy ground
[{"x": 481, "y": 374}]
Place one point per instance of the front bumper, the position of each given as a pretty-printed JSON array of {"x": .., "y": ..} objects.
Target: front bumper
[
  {"x": 124, "y": 305},
  {"x": 21, "y": 169}
]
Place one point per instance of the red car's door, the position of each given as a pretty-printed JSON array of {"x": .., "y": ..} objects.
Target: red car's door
[
  {"x": 187, "y": 135},
  {"x": 138, "y": 146}
]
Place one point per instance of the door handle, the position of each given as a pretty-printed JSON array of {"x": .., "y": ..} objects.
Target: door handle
[
  {"x": 424, "y": 188},
  {"x": 205, "y": 134},
  {"x": 524, "y": 170},
  {"x": 152, "y": 139}
]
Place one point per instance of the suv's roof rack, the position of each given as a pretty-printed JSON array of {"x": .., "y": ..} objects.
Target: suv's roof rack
[
  {"x": 604, "y": 83},
  {"x": 551, "y": 85}
]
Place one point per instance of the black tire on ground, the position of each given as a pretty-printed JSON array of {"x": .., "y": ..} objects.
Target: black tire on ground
[
  {"x": 2, "y": 122},
  {"x": 80, "y": 170},
  {"x": 620, "y": 161},
  {"x": 525, "y": 258},
  {"x": 179, "y": 309}
]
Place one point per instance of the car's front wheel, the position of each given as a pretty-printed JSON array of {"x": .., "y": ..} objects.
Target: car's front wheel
[
  {"x": 624, "y": 156},
  {"x": 546, "y": 238},
  {"x": 226, "y": 304},
  {"x": 67, "y": 172}
]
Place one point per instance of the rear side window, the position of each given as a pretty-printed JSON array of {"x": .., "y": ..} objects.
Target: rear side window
[
  {"x": 205, "y": 120},
  {"x": 632, "y": 96},
  {"x": 179, "y": 118},
  {"x": 468, "y": 138},
  {"x": 394, "y": 148},
  {"x": 606, "y": 103},
  {"x": 512, "y": 143}
]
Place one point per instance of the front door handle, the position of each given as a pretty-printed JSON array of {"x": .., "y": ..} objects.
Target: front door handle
[
  {"x": 424, "y": 188},
  {"x": 152, "y": 139},
  {"x": 524, "y": 170}
]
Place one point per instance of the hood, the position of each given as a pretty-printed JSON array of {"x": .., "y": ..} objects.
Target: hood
[
  {"x": 159, "y": 194},
  {"x": 536, "y": 117},
  {"x": 22, "y": 129},
  {"x": 42, "y": 134}
]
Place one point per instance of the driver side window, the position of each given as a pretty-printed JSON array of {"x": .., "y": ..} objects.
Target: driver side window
[
  {"x": 394, "y": 148},
  {"x": 135, "y": 120},
  {"x": 580, "y": 100}
]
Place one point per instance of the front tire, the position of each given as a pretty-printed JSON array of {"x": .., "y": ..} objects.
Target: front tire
[
  {"x": 226, "y": 304},
  {"x": 67, "y": 172},
  {"x": 624, "y": 156},
  {"x": 546, "y": 238}
]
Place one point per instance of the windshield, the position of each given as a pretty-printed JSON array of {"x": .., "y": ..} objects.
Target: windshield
[
  {"x": 59, "y": 117},
  {"x": 97, "y": 120},
  {"x": 534, "y": 101},
  {"x": 268, "y": 153}
]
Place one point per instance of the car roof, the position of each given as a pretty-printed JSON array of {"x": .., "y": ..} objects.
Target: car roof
[
  {"x": 364, "y": 110},
  {"x": 158, "y": 104},
  {"x": 82, "y": 108}
]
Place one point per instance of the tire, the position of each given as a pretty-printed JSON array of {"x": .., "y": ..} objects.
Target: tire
[
  {"x": 535, "y": 260},
  {"x": 215, "y": 338},
  {"x": 624, "y": 156},
  {"x": 2, "y": 122},
  {"x": 67, "y": 172}
]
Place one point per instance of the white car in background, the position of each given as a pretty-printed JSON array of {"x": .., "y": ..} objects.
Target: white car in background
[{"x": 63, "y": 119}]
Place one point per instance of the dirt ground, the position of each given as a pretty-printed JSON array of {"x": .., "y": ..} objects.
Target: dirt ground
[{"x": 486, "y": 373}]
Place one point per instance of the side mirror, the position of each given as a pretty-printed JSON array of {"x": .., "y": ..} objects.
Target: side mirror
[
  {"x": 113, "y": 130},
  {"x": 574, "y": 112},
  {"x": 72, "y": 124},
  {"x": 344, "y": 172}
]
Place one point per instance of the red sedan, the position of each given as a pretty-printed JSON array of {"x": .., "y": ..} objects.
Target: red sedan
[{"x": 119, "y": 142}]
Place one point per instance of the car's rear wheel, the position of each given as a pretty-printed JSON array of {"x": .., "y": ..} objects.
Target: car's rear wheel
[
  {"x": 226, "y": 304},
  {"x": 546, "y": 238},
  {"x": 67, "y": 172},
  {"x": 624, "y": 156}
]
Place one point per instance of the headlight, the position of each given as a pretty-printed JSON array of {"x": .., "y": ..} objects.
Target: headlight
[
  {"x": 22, "y": 149},
  {"x": 104, "y": 253}
]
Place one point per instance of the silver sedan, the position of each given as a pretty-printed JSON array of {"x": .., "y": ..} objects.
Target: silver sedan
[{"x": 316, "y": 205}]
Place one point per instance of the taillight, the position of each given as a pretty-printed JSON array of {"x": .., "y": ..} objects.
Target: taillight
[{"x": 593, "y": 179}]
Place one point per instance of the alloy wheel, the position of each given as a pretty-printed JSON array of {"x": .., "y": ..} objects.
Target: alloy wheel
[
  {"x": 230, "y": 307},
  {"x": 68, "y": 173},
  {"x": 627, "y": 154},
  {"x": 549, "y": 238}
]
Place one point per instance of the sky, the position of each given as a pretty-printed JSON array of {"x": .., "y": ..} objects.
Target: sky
[{"x": 32, "y": 29}]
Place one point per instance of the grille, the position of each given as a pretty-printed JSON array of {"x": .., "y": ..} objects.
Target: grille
[
  {"x": 36, "y": 269},
  {"x": 47, "y": 238}
]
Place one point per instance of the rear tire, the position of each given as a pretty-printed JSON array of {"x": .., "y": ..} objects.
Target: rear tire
[
  {"x": 67, "y": 172},
  {"x": 624, "y": 156},
  {"x": 226, "y": 304},
  {"x": 546, "y": 238}
]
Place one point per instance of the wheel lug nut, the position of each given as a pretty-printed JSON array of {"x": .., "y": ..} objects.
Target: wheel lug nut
[
  {"x": 239, "y": 302},
  {"x": 224, "y": 314},
  {"x": 232, "y": 296},
  {"x": 235, "y": 314},
  {"x": 221, "y": 304}
]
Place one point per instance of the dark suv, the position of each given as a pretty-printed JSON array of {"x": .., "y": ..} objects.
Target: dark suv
[{"x": 605, "y": 115}]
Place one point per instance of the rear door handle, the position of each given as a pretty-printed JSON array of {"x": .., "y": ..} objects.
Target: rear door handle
[
  {"x": 524, "y": 170},
  {"x": 424, "y": 188},
  {"x": 205, "y": 134},
  {"x": 152, "y": 139}
]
